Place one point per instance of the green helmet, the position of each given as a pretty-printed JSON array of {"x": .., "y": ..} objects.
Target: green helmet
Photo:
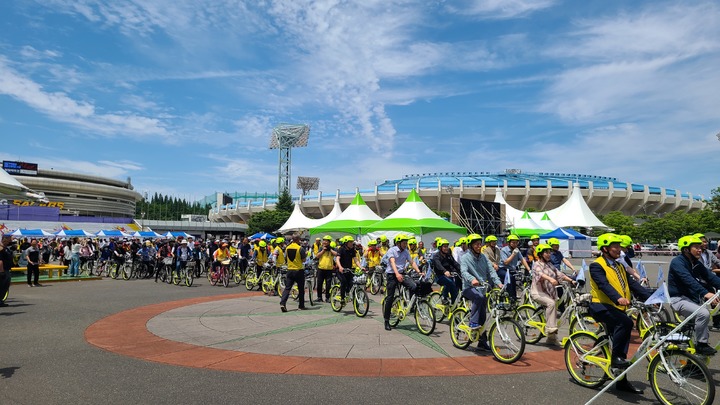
[
  {"x": 280, "y": 240},
  {"x": 346, "y": 239},
  {"x": 606, "y": 239},
  {"x": 262, "y": 244},
  {"x": 542, "y": 247},
  {"x": 473, "y": 237},
  {"x": 553, "y": 241},
  {"x": 688, "y": 240},
  {"x": 512, "y": 237},
  {"x": 626, "y": 241},
  {"x": 490, "y": 238},
  {"x": 535, "y": 237},
  {"x": 372, "y": 242}
]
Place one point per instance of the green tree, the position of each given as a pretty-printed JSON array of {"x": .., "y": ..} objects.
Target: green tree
[
  {"x": 621, "y": 223},
  {"x": 267, "y": 221},
  {"x": 284, "y": 202}
]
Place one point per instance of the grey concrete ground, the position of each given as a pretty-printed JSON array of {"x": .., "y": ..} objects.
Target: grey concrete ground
[{"x": 44, "y": 359}]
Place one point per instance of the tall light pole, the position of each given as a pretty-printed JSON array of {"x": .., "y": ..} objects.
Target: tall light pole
[{"x": 285, "y": 137}]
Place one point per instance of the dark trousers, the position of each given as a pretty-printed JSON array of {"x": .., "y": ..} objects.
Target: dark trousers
[
  {"x": 618, "y": 325},
  {"x": 292, "y": 277},
  {"x": 511, "y": 286},
  {"x": 33, "y": 271},
  {"x": 449, "y": 287},
  {"x": 392, "y": 284},
  {"x": 346, "y": 280},
  {"x": 326, "y": 276},
  {"x": 5, "y": 279}
]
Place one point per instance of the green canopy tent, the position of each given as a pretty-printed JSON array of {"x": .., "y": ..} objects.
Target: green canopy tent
[
  {"x": 414, "y": 217},
  {"x": 351, "y": 221},
  {"x": 526, "y": 227}
]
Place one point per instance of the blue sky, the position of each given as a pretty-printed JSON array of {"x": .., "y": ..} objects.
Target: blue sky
[{"x": 182, "y": 95}]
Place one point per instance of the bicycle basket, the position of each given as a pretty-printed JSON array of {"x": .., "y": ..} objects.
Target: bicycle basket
[
  {"x": 168, "y": 260},
  {"x": 423, "y": 289},
  {"x": 361, "y": 280},
  {"x": 225, "y": 262},
  {"x": 583, "y": 300}
]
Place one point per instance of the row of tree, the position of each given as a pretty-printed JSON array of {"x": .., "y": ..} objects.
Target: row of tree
[
  {"x": 168, "y": 208},
  {"x": 669, "y": 227}
]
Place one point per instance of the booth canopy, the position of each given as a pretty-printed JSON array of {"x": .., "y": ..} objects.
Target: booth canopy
[
  {"x": 146, "y": 234},
  {"x": 262, "y": 235},
  {"x": 353, "y": 220},
  {"x": 113, "y": 233},
  {"x": 73, "y": 233},
  {"x": 38, "y": 233},
  {"x": 525, "y": 226},
  {"x": 563, "y": 233}
]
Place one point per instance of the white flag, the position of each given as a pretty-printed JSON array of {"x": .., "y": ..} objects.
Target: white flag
[
  {"x": 641, "y": 269},
  {"x": 660, "y": 296},
  {"x": 661, "y": 276},
  {"x": 581, "y": 274},
  {"x": 507, "y": 277}
]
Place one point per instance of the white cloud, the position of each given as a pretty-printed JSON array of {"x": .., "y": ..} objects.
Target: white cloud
[
  {"x": 499, "y": 9},
  {"x": 82, "y": 114},
  {"x": 29, "y": 52}
]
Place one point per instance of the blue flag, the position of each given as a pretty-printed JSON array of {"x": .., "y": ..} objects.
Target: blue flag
[
  {"x": 660, "y": 296},
  {"x": 583, "y": 265},
  {"x": 641, "y": 269},
  {"x": 507, "y": 277},
  {"x": 661, "y": 276},
  {"x": 581, "y": 273}
]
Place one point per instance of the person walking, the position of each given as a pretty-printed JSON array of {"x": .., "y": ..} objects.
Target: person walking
[
  {"x": 33, "y": 264},
  {"x": 295, "y": 256}
]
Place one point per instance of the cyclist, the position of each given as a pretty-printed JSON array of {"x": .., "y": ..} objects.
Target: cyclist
[
  {"x": 183, "y": 253},
  {"x": 316, "y": 246},
  {"x": 245, "y": 249},
  {"x": 220, "y": 254},
  {"x": 534, "y": 242},
  {"x": 146, "y": 253},
  {"x": 295, "y": 255},
  {"x": 260, "y": 256},
  {"x": 475, "y": 269},
  {"x": 398, "y": 260},
  {"x": 444, "y": 265},
  {"x": 346, "y": 259},
  {"x": 372, "y": 254},
  {"x": 557, "y": 257},
  {"x": 460, "y": 249},
  {"x": 325, "y": 259},
  {"x": 510, "y": 260},
  {"x": 611, "y": 288},
  {"x": 278, "y": 254},
  {"x": 625, "y": 258},
  {"x": 545, "y": 278},
  {"x": 384, "y": 244},
  {"x": 690, "y": 283},
  {"x": 712, "y": 263}
]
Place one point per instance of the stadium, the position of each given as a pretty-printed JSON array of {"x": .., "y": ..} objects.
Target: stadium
[{"x": 535, "y": 191}]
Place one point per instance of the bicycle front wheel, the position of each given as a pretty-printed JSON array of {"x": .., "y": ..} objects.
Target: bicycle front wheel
[
  {"x": 507, "y": 341},
  {"x": 361, "y": 303},
  {"x": 583, "y": 371},
  {"x": 376, "y": 283},
  {"x": 677, "y": 377},
  {"x": 309, "y": 286},
  {"x": 424, "y": 317},
  {"x": 524, "y": 316},
  {"x": 237, "y": 277},
  {"x": 188, "y": 278},
  {"x": 459, "y": 326},
  {"x": 336, "y": 301},
  {"x": 113, "y": 272},
  {"x": 226, "y": 277},
  {"x": 249, "y": 283}
]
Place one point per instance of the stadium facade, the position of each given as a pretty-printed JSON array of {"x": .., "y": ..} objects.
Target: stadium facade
[{"x": 537, "y": 191}]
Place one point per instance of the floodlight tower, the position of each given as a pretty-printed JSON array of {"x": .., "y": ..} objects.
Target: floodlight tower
[{"x": 285, "y": 137}]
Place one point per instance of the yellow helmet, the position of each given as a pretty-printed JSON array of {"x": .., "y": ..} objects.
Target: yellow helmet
[
  {"x": 626, "y": 241},
  {"x": 542, "y": 247},
  {"x": 490, "y": 238},
  {"x": 688, "y": 240},
  {"x": 606, "y": 239},
  {"x": 473, "y": 237}
]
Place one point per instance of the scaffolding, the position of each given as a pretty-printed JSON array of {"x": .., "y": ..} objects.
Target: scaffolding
[{"x": 481, "y": 217}]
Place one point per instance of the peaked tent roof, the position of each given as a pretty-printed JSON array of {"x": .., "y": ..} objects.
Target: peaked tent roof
[
  {"x": 336, "y": 211},
  {"x": 562, "y": 233},
  {"x": 297, "y": 221},
  {"x": 575, "y": 212},
  {"x": 356, "y": 216},
  {"x": 545, "y": 222},
  {"x": 512, "y": 214},
  {"x": 414, "y": 216},
  {"x": 526, "y": 226},
  {"x": 10, "y": 186}
]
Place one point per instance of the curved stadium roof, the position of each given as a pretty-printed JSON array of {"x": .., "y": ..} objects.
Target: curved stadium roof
[{"x": 541, "y": 191}]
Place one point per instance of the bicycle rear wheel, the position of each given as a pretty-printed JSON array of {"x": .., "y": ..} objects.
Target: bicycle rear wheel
[
  {"x": 375, "y": 283},
  {"x": 507, "y": 341},
  {"x": 168, "y": 274},
  {"x": 309, "y": 287},
  {"x": 526, "y": 314},
  {"x": 587, "y": 322},
  {"x": 681, "y": 379},
  {"x": 226, "y": 277},
  {"x": 113, "y": 270},
  {"x": 583, "y": 371},
  {"x": 459, "y": 321},
  {"x": 424, "y": 317},
  {"x": 361, "y": 302},
  {"x": 435, "y": 301},
  {"x": 250, "y": 283}
]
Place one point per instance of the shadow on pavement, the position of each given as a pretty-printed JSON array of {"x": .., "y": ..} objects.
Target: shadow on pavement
[{"x": 8, "y": 372}]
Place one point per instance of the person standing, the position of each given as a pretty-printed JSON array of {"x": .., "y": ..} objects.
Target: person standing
[
  {"x": 510, "y": 260},
  {"x": 75, "y": 258},
  {"x": 325, "y": 259},
  {"x": 6, "y": 264},
  {"x": 33, "y": 264},
  {"x": 295, "y": 259}
]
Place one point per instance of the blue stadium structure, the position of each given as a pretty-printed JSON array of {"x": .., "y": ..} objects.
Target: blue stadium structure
[{"x": 540, "y": 191}]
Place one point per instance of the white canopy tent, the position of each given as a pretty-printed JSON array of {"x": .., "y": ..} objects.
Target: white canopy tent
[
  {"x": 297, "y": 221},
  {"x": 575, "y": 212}
]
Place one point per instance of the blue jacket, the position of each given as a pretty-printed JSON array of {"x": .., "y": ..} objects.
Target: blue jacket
[
  {"x": 477, "y": 267},
  {"x": 690, "y": 279}
]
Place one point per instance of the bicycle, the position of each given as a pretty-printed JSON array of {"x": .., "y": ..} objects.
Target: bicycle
[
  {"x": 184, "y": 274},
  {"x": 166, "y": 270},
  {"x": 271, "y": 280},
  {"x": 532, "y": 317},
  {"x": 357, "y": 294},
  {"x": 310, "y": 271},
  {"x": 222, "y": 274},
  {"x": 671, "y": 366},
  {"x": 253, "y": 279},
  {"x": 444, "y": 309},
  {"x": 418, "y": 302},
  {"x": 376, "y": 281},
  {"x": 505, "y": 335},
  {"x": 87, "y": 264}
]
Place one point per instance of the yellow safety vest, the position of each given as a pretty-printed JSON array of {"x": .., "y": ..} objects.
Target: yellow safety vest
[
  {"x": 373, "y": 257},
  {"x": 261, "y": 257},
  {"x": 598, "y": 296},
  {"x": 280, "y": 256},
  {"x": 325, "y": 261},
  {"x": 294, "y": 261}
]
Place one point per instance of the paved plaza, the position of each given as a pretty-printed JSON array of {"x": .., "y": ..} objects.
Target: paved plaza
[{"x": 121, "y": 342}]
